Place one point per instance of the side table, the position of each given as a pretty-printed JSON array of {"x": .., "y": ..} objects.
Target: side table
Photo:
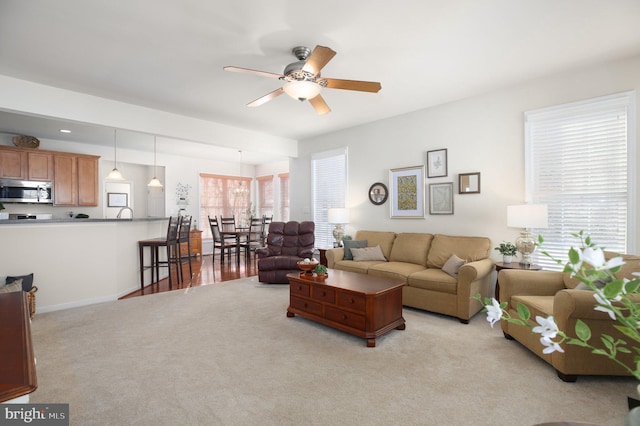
[{"x": 514, "y": 265}]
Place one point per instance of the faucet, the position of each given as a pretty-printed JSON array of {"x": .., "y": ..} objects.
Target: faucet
[{"x": 122, "y": 209}]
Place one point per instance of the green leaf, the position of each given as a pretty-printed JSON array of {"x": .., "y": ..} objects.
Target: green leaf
[
  {"x": 583, "y": 331},
  {"x": 628, "y": 331},
  {"x": 599, "y": 352},
  {"x": 523, "y": 312},
  {"x": 574, "y": 256},
  {"x": 612, "y": 289},
  {"x": 607, "y": 343},
  {"x": 624, "y": 350}
]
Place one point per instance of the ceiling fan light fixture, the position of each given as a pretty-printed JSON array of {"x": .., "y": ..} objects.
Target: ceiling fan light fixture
[{"x": 302, "y": 90}]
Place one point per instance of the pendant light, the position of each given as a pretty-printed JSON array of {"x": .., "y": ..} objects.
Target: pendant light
[
  {"x": 155, "y": 182},
  {"x": 115, "y": 173}
]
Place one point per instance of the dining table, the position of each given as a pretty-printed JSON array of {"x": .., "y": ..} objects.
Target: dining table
[{"x": 239, "y": 234}]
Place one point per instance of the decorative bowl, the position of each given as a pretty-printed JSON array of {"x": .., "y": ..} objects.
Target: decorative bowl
[{"x": 307, "y": 267}]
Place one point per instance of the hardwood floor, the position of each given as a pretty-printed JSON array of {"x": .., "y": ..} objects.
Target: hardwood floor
[{"x": 204, "y": 273}]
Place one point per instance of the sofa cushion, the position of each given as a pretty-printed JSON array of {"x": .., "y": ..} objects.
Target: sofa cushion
[
  {"x": 367, "y": 254},
  {"x": 353, "y": 266},
  {"x": 453, "y": 265},
  {"x": 411, "y": 248},
  {"x": 538, "y": 305},
  {"x": 394, "y": 270},
  {"x": 11, "y": 288},
  {"x": 377, "y": 238},
  {"x": 27, "y": 281},
  {"x": 349, "y": 244},
  {"x": 433, "y": 279},
  {"x": 468, "y": 248}
]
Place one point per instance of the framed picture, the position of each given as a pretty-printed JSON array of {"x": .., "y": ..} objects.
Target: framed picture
[
  {"x": 441, "y": 198},
  {"x": 437, "y": 163},
  {"x": 469, "y": 183},
  {"x": 117, "y": 199},
  {"x": 378, "y": 193},
  {"x": 407, "y": 192}
]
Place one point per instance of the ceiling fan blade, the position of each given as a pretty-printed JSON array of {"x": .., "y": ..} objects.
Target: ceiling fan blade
[
  {"x": 362, "y": 86},
  {"x": 266, "y": 98},
  {"x": 249, "y": 71},
  {"x": 320, "y": 56},
  {"x": 319, "y": 105}
]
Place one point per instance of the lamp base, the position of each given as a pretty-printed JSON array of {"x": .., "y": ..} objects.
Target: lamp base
[
  {"x": 526, "y": 246},
  {"x": 338, "y": 233}
]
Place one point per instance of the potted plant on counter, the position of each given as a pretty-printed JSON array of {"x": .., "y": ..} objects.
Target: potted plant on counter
[
  {"x": 320, "y": 270},
  {"x": 507, "y": 250}
]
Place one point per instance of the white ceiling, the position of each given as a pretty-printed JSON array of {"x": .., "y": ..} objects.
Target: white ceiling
[{"x": 168, "y": 55}]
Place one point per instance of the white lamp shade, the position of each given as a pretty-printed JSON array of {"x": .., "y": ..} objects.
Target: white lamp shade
[
  {"x": 339, "y": 216},
  {"x": 115, "y": 175},
  {"x": 527, "y": 216},
  {"x": 302, "y": 89}
]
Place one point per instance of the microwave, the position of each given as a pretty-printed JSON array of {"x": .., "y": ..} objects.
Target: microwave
[{"x": 25, "y": 191}]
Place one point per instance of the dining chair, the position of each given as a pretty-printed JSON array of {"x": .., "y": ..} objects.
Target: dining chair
[
  {"x": 255, "y": 238},
  {"x": 218, "y": 241},
  {"x": 184, "y": 234},
  {"x": 266, "y": 220}
]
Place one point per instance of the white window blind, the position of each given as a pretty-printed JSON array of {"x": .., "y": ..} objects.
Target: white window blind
[
  {"x": 578, "y": 163},
  {"x": 265, "y": 195},
  {"x": 284, "y": 196},
  {"x": 329, "y": 180}
]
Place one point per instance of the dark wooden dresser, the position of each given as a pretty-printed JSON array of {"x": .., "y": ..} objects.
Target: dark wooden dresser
[{"x": 17, "y": 361}]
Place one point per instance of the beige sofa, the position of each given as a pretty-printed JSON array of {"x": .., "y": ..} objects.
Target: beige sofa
[
  {"x": 417, "y": 259},
  {"x": 553, "y": 293}
]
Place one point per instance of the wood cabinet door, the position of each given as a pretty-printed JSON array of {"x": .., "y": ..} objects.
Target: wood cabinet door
[
  {"x": 40, "y": 166},
  {"x": 87, "y": 181},
  {"x": 65, "y": 184},
  {"x": 13, "y": 164}
]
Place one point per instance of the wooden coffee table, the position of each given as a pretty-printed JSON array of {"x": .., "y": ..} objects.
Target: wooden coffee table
[{"x": 359, "y": 304}]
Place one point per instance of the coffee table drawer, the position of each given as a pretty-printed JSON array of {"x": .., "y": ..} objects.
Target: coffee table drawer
[
  {"x": 323, "y": 294},
  {"x": 299, "y": 288},
  {"x": 352, "y": 301},
  {"x": 306, "y": 305},
  {"x": 346, "y": 318}
]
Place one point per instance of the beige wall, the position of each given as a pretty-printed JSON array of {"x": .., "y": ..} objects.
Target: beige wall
[{"x": 482, "y": 134}]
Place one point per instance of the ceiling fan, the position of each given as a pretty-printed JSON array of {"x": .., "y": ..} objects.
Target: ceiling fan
[{"x": 303, "y": 81}]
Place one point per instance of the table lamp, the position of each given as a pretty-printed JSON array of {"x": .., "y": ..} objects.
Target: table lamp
[
  {"x": 338, "y": 217},
  {"x": 527, "y": 216}
]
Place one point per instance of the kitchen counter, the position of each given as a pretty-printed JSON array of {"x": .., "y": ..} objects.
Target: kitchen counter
[
  {"x": 77, "y": 262},
  {"x": 73, "y": 220}
]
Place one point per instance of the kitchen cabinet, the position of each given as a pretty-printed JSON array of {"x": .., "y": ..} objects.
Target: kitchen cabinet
[
  {"x": 40, "y": 166},
  {"x": 65, "y": 183},
  {"x": 13, "y": 164},
  {"x": 87, "y": 181},
  {"x": 75, "y": 180},
  {"x": 195, "y": 240}
]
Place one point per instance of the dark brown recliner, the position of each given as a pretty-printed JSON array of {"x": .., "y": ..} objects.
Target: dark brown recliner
[{"x": 287, "y": 243}]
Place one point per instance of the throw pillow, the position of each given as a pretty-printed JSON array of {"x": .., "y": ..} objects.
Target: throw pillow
[
  {"x": 11, "y": 288},
  {"x": 367, "y": 253},
  {"x": 598, "y": 283},
  {"x": 349, "y": 244},
  {"x": 27, "y": 281},
  {"x": 452, "y": 265}
]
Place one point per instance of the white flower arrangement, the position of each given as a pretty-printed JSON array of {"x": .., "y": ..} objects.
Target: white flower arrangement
[{"x": 588, "y": 265}]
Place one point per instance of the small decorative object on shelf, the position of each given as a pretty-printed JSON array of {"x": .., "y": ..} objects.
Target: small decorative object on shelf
[
  {"x": 23, "y": 141},
  {"x": 321, "y": 271},
  {"x": 507, "y": 250},
  {"x": 307, "y": 265}
]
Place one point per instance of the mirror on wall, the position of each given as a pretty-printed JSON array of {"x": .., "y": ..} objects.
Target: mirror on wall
[{"x": 469, "y": 183}]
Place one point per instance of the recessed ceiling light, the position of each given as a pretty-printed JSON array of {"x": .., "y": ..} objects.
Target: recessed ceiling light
[{"x": 65, "y": 131}]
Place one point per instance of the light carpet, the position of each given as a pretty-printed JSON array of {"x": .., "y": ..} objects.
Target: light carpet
[{"x": 227, "y": 354}]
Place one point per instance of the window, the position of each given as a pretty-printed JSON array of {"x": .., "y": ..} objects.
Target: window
[
  {"x": 580, "y": 162},
  {"x": 329, "y": 180},
  {"x": 223, "y": 196},
  {"x": 284, "y": 197},
  {"x": 265, "y": 196}
]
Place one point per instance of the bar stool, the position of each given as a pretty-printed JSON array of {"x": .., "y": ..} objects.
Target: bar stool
[
  {"x": 173, "y": 249},
  {"x": 184, "y": 237}
]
